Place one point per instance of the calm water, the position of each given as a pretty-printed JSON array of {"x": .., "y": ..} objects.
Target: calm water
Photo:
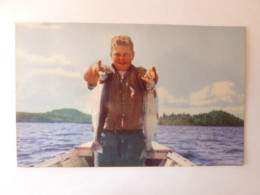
[{"x": 205, "y": 146}]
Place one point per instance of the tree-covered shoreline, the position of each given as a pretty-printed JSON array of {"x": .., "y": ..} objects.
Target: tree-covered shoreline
[
  {"x": 65, "y": 115},
  {"x": 213, "y": 118}
]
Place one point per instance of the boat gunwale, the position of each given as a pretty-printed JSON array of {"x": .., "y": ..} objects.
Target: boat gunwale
[{"x": 167, "y": 156}]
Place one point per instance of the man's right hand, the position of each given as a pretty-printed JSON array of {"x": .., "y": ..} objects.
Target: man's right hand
[
  {"x": 99, "y": 67},
  {"x": 105, "y": 68},
  {"x": 92, "y": 72},
  {"x": 95, "y": 67}
]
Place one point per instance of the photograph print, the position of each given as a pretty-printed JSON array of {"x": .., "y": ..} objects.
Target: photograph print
[{"x": 126, "y": 95}]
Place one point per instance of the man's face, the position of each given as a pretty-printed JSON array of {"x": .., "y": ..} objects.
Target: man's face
[{"x": 122, "y": 57}]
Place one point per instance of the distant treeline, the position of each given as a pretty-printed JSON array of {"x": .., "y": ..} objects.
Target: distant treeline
[
  {"x": 214, "y": 118},
  {"x": 62, "y": 115}
]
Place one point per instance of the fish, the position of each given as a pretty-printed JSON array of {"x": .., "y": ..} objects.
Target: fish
[
  {"x": 95, "y": 110},
  {"x": 150, "y": 119},
  {"x": 97, "y": 106}
]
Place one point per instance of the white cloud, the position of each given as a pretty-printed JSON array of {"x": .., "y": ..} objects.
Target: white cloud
[
  {"x": 204, "y": 100},
  {"x": 40, "y": 25},
  {"x": 215, "y": 93},
  {"x": 201, "y": 97},
  {"x": 40, "y": 59},
  {"x": 223, "y": 91},
  {"x": 166, "y": 97}
]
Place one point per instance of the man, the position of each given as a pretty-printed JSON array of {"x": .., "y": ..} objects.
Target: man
[{"x": 120, "y": 125}]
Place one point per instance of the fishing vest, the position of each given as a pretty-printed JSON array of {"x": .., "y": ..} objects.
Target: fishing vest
[{"x": 122, "y": 100}]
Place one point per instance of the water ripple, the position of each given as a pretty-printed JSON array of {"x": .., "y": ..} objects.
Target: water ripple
[{"x": 205, "y": 146}]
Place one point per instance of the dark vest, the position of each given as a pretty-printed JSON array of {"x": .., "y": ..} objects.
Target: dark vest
[{"x": 122, "y": 100}]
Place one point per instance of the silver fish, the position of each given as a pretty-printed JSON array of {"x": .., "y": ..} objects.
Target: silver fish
[
  {"x": 96, "y": 106},
  {"x": 96, "y": 95},
  {"x": 150, "y": 119}
]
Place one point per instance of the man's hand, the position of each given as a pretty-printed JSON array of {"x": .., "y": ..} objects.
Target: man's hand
[
  {"x": 96, "y": 67},
  {"x": 92, "y": 72},
  {"x": 150, "y": 75},
  {"x": 99, "y": 67},
  {"x": 105, "y": 68}
]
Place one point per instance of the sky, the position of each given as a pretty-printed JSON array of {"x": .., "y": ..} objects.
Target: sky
[{"x": 200, "y": 68}]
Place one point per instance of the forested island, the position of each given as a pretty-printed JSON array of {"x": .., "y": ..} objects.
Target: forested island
[
  {"x": 62, "y": 115},
  {"x": 214, "y": 118}
]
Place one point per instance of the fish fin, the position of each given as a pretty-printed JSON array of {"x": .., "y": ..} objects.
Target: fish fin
[
  {"x": 147, "y": 153},
  {"x": 96, "y": 147},
  {"x": 144, "y": 154}
]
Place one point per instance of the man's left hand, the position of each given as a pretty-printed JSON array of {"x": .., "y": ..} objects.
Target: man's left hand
[{"x": 150, "y": 75}]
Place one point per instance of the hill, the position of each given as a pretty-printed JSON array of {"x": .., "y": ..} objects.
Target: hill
[
  {"x": 61, "y": 115},
  {"x": 214, "y": 118}
]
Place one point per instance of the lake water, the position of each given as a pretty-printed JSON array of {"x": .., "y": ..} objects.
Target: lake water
[{"x": 205, "y": 146}]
